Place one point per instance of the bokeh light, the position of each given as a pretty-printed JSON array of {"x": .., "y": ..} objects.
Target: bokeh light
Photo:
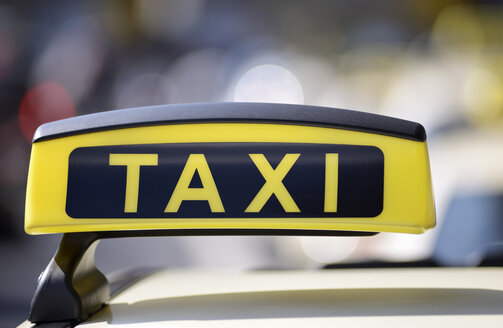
[
  {"x": 483, "y": 95},
  {"x": 44, "y": 103},
  {"x": 458, "y": 31},
  {"x": 270, "y": 84},
  {"x": 329, "y": 250}
]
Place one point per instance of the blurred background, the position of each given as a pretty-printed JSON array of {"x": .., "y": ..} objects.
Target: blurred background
[{"x": 439, "y": 63}]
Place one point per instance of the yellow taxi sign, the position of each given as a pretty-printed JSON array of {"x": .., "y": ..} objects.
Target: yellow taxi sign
[{"x": 230, "y": 166}]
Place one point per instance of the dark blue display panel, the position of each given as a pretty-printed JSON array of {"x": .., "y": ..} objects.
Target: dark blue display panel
[{"x": 97, "y": 189}]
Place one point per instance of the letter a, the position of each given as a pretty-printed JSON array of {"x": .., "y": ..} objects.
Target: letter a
[{"x": 209, "y": 192}]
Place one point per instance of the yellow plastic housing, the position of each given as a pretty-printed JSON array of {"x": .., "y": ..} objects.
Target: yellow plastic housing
[{"x": 408, "y": 205}]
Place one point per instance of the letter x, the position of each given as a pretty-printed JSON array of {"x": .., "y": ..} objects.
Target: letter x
[{"x": 273, "y": 183}]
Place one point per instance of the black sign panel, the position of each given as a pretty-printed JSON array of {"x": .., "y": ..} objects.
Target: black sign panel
[{"x": 97, "y": 185}]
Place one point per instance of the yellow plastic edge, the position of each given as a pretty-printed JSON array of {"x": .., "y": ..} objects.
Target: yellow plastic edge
[{"x": 408, "y": 197}]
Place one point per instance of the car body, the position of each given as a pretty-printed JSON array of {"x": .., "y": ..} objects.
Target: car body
[{"x": 403, "y": 297}]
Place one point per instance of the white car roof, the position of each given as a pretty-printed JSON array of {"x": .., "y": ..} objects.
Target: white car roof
[{"x": 447, "y": 297}]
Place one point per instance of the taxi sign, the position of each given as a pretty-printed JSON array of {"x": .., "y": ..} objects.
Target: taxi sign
[{"x": 230, "y": 166}]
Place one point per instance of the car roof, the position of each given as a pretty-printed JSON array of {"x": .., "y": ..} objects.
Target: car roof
[{"x": 381, "y": 297}]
